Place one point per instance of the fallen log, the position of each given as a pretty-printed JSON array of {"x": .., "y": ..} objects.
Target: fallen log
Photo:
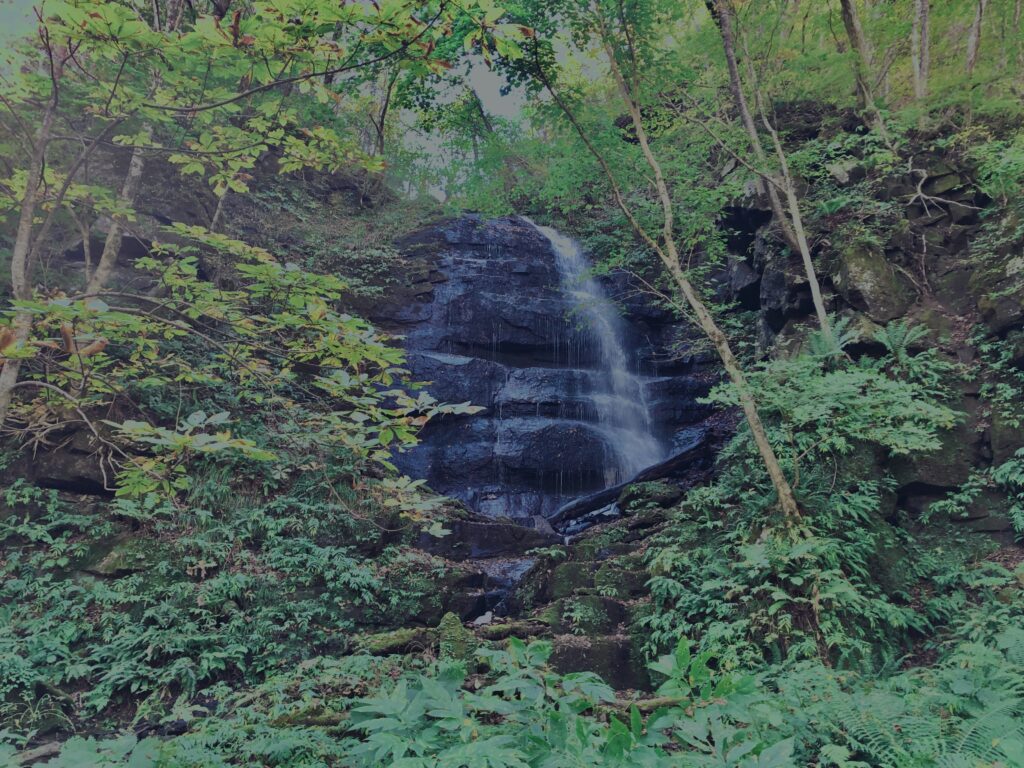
[{"x": 585, "y": 504}]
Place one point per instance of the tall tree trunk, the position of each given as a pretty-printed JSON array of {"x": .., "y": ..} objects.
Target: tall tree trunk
[
  {"x": 136, "y": 165},
  {"x": 665, "y": 248},
  {"x": 920, "y": 55},
  {"x": 115, "y": 237},
  {"x": 974, "y": 35},
  {"x": 793, "y": 229},
  {"x": 1018, "y": 8},
  {"x": 374, "y": 181},
  {"x": 723, "y": 15},
  {"x": 21, "y": 269},
  {"x": 862, "y": 68},
  {"x": 670, "y": 258}
]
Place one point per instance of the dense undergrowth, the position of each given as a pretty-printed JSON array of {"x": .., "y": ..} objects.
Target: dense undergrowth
[{"x": 203, "y": 604}]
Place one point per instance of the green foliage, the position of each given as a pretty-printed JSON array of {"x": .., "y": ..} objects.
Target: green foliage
[
  {"x": 274, "y": 342},
  {"x": 1003, "y": 387},
  {"x": 235, "y": 588},
  {"x": 966, "y": 709},
  {"x": 825, "y": 590},
  {"x": 1006, "y": 480},
  {"x": 1000, "y": 167},
  {"x": 246, "y": 419},
  {"x": 521, "y": 715}
]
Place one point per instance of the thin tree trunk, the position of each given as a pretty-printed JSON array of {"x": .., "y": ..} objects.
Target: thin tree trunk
[
  {"x": 723, "y": 14},
  {"x": 133, "y": 179},
  {"x": 855, "y": 35},
  {"x": 862, "y": 68},
  {"x": 974, "y": 36},
  {"x": 112, "y": 245},
  {"x": 669, "y": 256},
  {"x": 798, "y": 223},
  {"x": 85, "y": 232},
  {"x": 215, "y": 219},
  {"x": 21, "y": 269},
  {"x": 1018, "y": 8},
  {"x": 793, "y": 230},
  {"x": 373, "y": 182},
  {"x": 920, "y": 48}
]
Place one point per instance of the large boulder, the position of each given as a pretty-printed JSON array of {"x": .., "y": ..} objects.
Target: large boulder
[
  {"x": 1006, "y": 435},
  {"x": 868, "y": 282},
  {"x": 79, "y": 465},
  {"x": 961, "y": 449}
]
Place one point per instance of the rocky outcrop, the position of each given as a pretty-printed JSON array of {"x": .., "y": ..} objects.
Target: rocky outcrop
[
  {"x": 952, "y": 263},
  {"x": 485, "y": 319},
  {"x": 870, "y": 284}
]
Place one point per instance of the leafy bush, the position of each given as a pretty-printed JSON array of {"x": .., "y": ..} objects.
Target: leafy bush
[{"x": 825, "y": 590}]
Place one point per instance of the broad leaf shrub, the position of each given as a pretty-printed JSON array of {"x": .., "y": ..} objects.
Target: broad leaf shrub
[
  {"x": 727, "y": 572},
  {"x": 245, "y": 429},
  {"x": 512, "y": 711}
]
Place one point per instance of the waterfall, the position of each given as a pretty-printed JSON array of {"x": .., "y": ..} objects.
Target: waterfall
[{"x": 621, "y": 406}]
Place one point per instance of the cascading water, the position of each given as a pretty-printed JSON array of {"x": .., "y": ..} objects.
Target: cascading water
[
  {"x": 620, "y": 406},
  {"x": 506, "y": 316}
]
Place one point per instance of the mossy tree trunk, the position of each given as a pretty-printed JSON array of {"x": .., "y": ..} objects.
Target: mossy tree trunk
[{"x": 920, "y": 47}]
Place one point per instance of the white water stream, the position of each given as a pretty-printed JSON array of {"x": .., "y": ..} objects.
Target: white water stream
[{"x": 621, "y": 408}]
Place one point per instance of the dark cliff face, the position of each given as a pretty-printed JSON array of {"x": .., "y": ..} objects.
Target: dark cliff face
[
  {"x": 486, "y": 320},
  {"x": 947, "y": 260}
]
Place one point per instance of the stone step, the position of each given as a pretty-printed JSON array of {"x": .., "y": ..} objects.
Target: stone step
[{"x": 616, "y": 658}]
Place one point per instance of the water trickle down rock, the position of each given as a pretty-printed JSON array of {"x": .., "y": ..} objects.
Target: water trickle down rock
[
  {"x": 620, "y": 402},
  {"x": 505, "y": 315}
]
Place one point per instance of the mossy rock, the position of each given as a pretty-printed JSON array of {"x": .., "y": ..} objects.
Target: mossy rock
[
  {"x": 601, "y": 545},
  {"x": 997, "y": 284},
  {"x": 431, "y": 586},
  {"x": 792, "y": 340},
  {"x": 622, "y": 582},
  {"x": 940, "y": 325},
  {"x": 125, "y": 555},
  {"x": 614, "y": 657},
  {"x": 869, "y": 283},
  {"x": 455, "y": 642},
  {"x": 655, "y": 492},
  {"x": 518, "y": 628},
  {"x": 1005, "y": 437},
  {"x": 584, "y": 614},
  {"x": 940, "y": 185},
  {"x": 960, "y": 451},
  {"x": 567, "y": 578},
  {"x": 405, "y": 640}
]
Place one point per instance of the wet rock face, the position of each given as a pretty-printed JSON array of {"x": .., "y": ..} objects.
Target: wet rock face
[{"x": 487, "y": 320}]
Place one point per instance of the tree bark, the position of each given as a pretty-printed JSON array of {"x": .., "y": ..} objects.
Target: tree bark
[
  {"x": 724, "y": 18},
  {"x": 21, "y": 268},
  {"x": 855, "y": 34},
  {"x": 974, "y": 36},
  {"x": 920, "y": 55},
  {"x": 1018, "y": 8},
  {"x": 133, "y": 179},
  {"x": 669, "y": 256},
  {"x": 862, "y": 69},
  {"x": 793, "y": 230},
  {"x": 115, "y": 237}
]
